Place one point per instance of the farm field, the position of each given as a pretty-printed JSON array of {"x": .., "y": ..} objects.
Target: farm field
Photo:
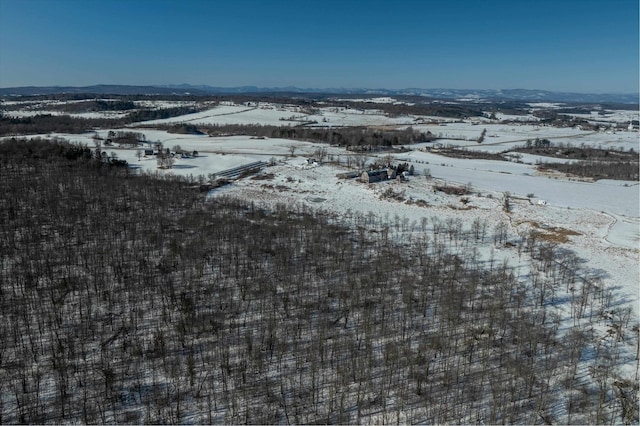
[{"x": 592, "y": 223}]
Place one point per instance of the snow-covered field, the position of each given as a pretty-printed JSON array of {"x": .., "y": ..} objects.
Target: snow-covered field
[
  {"x": 501, "y": 137},
  {"x": 237, "y": 114}
]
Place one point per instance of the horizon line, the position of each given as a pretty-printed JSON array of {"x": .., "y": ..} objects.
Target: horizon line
[{"x": 315, "y": 89}]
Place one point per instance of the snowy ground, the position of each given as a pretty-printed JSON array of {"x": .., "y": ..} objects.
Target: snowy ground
[
  {"x": 605, "y": 213},
  {"x": 601, "y": 220}
]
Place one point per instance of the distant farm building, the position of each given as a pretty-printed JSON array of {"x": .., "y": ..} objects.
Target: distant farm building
[
  {"x": 371, "y": 176},
  {"x": 240, "y": 171}
]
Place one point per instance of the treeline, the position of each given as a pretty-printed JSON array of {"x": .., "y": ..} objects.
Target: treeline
[
  {"x": 67, "y": 97},
  {"x": 16, "y": 151},
  {"x": 47, "y": 123},
  {"x": 344, "y": 136},
  {"x": 130, "y": 299},
  {"x": 435, "y": 109},
  {"x": 422, "y": 108},
  {"x": 121, "y": 137},
  {"x": 618, "y": 170},
  {"x": 571, "y": 152},
  {"x": 159, "y": 114},
  {"x": 94, "y": 105}
]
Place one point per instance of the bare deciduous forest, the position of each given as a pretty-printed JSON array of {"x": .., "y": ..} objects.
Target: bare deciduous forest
[{"x": 134, "y": 299}]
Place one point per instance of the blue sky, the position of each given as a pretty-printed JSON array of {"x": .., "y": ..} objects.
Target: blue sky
[{"x": 560, "y": 45}]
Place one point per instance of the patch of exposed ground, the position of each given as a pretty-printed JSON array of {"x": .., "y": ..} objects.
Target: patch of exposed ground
[
  {"x": 265, "y": 176},
  {"x": 555, "y": 234},
  {"x": 554, "y": 174}
]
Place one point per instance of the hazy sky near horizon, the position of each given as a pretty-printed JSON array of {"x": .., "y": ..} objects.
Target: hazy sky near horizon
[{"x": 559, "y": 45}]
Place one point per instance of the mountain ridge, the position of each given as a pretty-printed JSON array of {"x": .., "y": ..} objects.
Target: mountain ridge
[{"x": 529, "y": 95}]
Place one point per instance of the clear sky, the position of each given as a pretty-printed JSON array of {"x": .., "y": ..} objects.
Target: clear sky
[{"x": 560, "y": 45}]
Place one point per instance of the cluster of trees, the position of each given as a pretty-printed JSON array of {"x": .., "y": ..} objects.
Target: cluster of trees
[
  {"x": 46, "y": 149},
  {"x": 165, "y": 158},
  {"x": 122, "y": 137},
  {"x": 535, "y": 145},
  {"x": 42, "y": 149},
  {"x": 456, "y": 152},
  {"x": 131, "y": 299},
  {"x": 184, "y": 129}
]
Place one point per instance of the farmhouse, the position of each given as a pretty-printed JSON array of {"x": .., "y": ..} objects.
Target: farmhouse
[{"x": 371, "y": 176}]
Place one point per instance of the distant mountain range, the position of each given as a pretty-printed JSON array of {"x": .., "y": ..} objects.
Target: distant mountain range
[{"x": 525, "y": 95}]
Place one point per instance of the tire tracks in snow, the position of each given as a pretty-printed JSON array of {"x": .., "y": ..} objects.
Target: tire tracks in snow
[{"x": 615, "y": 220}]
